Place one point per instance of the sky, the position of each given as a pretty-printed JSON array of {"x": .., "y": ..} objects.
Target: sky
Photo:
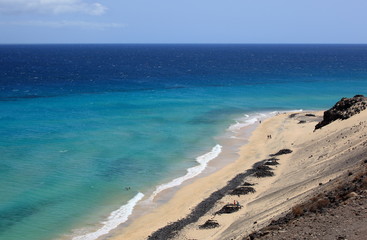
[{"x": 185, "y": 21}]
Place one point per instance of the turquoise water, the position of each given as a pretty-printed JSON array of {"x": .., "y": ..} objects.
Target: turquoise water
[{"x": 68, "y": 157}]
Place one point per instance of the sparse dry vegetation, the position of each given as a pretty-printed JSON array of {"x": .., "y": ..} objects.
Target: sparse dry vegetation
[
  {"x": 297, "y": 211},
  {"x": 349, "y": 186}
]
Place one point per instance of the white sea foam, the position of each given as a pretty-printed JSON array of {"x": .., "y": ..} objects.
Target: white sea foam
[
  {"x": 203, "y": 161},
  {"x": 116, "y": 218},
  {"x": 238, "y": 125},
  {"x": 248, "y": 120}
]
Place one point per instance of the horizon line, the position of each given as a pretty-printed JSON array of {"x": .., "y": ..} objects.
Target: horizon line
[{"x": 183, "y": 43}]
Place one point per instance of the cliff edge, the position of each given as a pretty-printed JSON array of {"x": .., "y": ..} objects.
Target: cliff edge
[{"x": 343, "y": 109}]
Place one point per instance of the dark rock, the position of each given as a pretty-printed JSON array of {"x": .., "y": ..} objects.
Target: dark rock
[
  {"x": 271, "y": 162},
  {"x": 229, "y": 208},
  {"x": 263, "y": 168},
  {"x": 263, "y": 171},
  {"x": 310, "y": 115},
  {"x": 293, "y": 115},
  {"x": 281, "y": 152},
  {"x": 247, "y": 184},
  {"x": 343, "y": 109},
  {"x": 258, "y": 234},
  {"x": 209, "y": 224},
  {"x": 243, "y": 191},
  {"x": 301, "y": 122}
]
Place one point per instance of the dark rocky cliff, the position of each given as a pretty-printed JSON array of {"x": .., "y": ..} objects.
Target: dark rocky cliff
[{"x": 344, "y": 109}]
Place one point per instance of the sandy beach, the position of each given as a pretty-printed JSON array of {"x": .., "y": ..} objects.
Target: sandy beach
[{"x": 317, "y": 157}]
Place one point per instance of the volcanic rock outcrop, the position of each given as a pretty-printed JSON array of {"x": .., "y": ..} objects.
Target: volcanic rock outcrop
[{"x": 343, "y": 109}]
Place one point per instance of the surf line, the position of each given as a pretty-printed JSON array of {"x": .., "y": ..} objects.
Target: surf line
[
  {"x": 192, "y": 172},
  {"x": 122, "y": 214},
  {"x": 116, "y": 218}
]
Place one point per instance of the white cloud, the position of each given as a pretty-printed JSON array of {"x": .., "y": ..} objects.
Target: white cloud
[
  {"x": 50, "y": 6},
  {"x": 62, "y": 24}
]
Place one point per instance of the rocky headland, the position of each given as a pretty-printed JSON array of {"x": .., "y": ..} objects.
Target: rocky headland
[{"x": 343, "y": 109}]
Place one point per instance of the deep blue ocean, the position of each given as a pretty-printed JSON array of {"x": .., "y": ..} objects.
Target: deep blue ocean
[{"x": 89, "y": 131}]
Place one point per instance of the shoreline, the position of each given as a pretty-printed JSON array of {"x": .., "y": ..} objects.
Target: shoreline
[
  {"x": 182, "y": 202},
  {"x": 317, "y": 158},
  {"x": 234, "y": 137}
]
